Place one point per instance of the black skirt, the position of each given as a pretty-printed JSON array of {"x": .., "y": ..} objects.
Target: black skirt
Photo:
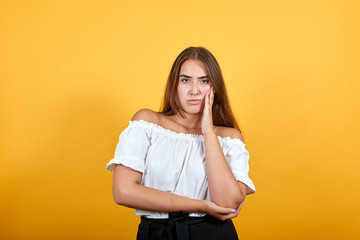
[{"x": 179, "y": 226}]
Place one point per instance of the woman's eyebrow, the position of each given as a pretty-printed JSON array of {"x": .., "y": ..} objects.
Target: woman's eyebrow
[
  {"x": 203, "y": 77},
  {"x": 184, "y": 75}
]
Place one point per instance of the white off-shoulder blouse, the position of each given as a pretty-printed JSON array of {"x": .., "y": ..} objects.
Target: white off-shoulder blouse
[{"x": 175, "y": 162}]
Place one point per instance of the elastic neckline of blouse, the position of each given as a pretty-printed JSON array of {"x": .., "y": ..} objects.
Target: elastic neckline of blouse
[{"x": 191, "y": 135}]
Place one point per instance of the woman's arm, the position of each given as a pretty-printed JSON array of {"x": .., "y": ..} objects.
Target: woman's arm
[
  {"x": 128, "y": 191},
  {"x": 224, "y": 189}
]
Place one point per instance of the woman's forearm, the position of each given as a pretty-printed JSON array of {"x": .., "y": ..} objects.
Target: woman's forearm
[
  {"x": 223, "y": 187},
  {"x": 128, "y": 191},
  {"x": 150, "y": 199}
]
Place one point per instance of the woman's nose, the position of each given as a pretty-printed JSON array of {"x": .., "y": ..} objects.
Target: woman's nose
[{"x": 194, "y": 89}]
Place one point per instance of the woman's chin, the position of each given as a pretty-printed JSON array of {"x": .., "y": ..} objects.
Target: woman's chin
[{"x": 193, "y": 110}]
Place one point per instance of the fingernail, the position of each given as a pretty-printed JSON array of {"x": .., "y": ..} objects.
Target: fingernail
[{"x": 232, "y": 210}]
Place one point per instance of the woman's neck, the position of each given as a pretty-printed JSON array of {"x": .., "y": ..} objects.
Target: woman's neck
[{"x": 190, "y": 121}]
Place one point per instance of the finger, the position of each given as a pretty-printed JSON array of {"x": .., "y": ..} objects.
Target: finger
[
  {"x": 205, "y": 101},
  {"x": 237, "y": 210},
  {"x": 222, "y": 210},
  {"x": 209, "y": 97},
  {"x": 229, "y": 216},
  {"x": 240, "y": 205},
  {"x": 206, "y": 98},
  {"x": 212, "y": 96},
  {"x": 232, "y": 214},
  {"x": 204, "y": 104}
]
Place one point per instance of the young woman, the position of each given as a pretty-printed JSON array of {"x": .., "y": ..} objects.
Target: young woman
[{"x": 184, "y": 169}]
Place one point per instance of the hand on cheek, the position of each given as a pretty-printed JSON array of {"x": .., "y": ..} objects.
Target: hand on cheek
[
  {"x": 207, "y": 121},
  {"x": 206, "y": 96}
]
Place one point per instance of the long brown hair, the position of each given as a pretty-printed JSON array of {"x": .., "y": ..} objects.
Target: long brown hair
[{"x": 221, "y": 111}]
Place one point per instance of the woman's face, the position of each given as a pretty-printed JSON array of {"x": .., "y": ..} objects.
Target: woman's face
[{"x": 193, "y": 85}]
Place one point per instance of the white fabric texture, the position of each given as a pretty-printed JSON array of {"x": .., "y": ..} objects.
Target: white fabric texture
[{"x": 175, "y": 162}]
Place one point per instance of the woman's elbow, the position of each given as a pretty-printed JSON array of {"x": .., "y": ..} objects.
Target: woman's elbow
[
  {"x": 120, "y": 195},
  {"x": 233, "y": 201},
  {"x": 239, "y": 196},
  {"x": 125, "y": 182},
  {"x": 117, "y": 197}
]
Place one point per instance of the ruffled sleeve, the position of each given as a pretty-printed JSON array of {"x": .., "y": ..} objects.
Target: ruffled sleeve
[
  {"x": 238, "y": 159},
  {"x": 132, "y": 147}
]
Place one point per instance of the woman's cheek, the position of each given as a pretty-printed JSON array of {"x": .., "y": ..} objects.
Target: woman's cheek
[
  {"x": 206, "y": 89},
  {"x": 203, "y": 93}
]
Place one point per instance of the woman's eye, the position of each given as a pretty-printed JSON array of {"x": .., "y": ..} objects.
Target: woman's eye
[
  {"x": 185, "y": 80},
  {"x": 205, "y": 81}
]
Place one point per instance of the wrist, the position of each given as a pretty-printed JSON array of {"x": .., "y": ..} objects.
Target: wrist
[
  {"x": 202, "y": 206},
  {"x": 209, "y": 133}
]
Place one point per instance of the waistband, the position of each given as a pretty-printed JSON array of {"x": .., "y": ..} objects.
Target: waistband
[{"x": 177, "y": 222}]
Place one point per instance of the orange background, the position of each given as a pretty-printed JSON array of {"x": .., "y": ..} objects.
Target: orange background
[{"x": 72, "y": 73}]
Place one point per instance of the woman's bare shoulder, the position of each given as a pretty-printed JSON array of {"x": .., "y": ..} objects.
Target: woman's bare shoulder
[
  {"x": 228, "y": 132},
  {"x": 147, "y": 115}
]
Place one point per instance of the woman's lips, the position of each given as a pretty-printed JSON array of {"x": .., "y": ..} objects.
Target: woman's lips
[{"x": 194, "y": 101}]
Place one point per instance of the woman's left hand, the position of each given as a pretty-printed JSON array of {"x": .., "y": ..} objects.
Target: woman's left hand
[
  {"x": 207, "y": 121},
  {"x": 234, "y": 215}
]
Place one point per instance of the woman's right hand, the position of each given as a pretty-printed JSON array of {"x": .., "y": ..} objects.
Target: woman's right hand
[{"x": 221, "y": 213}]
